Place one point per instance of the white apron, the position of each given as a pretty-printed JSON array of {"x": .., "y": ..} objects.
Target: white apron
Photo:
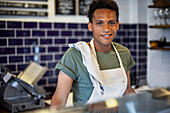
[{"x": 114, "y": 81}]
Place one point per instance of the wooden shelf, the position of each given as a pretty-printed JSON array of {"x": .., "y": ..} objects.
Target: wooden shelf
[
  {"x": 24, "y": 9},
  {"x": 159, "y": 48},
  {"x": 32, "y": 8},
  {"x": 159, "y": 26},
  {"x": 28, "y": 2},
  {"x": 162, "y": 6}
]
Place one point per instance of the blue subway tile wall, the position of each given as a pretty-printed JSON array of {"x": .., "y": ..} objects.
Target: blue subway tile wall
[
  {"x": 72, "y": 26},
  {"x": 79, "y": 33},
  {"x": 6, "y": 33},
  {"x": 37, "y": 33},
  {"x": 3, "y": 42},
  {"x": 60, "y": 41},
  {"x": 31, "y": 41},
  {"x": 21, "y": 67},
  {"x": 19, "y": 41},
  {"x": 45, "y": 25},
  {"x": 14, "y": 24},
  {"x": 53, "y": 33},
  {"x": 3, "y": 59},
  {"x": 42, "y": 82},
  {"x": 46, "y": 41},
  {"x": 15, "y": 42},
  {"x": 66, "y": 33},
  {"x": 59, "y": 25},
  {"x": 29, "y": 58},
  {"x": 23, "y": 33},
  {"x": 23, "y": 50},
  {"x": 84, "y": 26},
  {"x": 2, "y": 24},
  {"x": 142, "y": 53},
  {"x": 7, "y": 50},
  {"x": 16, "y": 59},
  {"x": 30, "y": 25}
]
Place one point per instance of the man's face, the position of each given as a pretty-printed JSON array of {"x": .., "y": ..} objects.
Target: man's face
[{"x": 104, "y": 27}]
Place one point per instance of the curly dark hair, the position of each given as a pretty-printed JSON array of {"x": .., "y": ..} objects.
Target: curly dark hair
[{"x": 102, "y": 4}]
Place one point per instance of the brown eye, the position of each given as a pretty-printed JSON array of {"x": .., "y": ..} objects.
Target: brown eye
[
  {"x": 98, "y": 23},
  {"x": 112, "y": 23}
]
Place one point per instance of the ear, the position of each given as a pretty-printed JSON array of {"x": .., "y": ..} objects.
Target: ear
[
  {"x": 117, "y": 25},
  {"x": 89, "y": 26}
]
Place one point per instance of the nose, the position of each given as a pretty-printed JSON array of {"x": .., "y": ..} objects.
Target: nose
[{"x": 106, "y": 28}]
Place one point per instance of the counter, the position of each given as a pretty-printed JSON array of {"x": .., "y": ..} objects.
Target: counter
[{"x": 156, "y": 101}]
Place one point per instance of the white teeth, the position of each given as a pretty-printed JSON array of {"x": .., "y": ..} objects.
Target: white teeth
[{"x": 106, "y": 35}]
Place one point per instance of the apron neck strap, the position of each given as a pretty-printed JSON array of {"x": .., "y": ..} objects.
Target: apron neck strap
[
  {"x": 92, "y": 47},
  {"x": 120, "y": 61},
  {"x": 94, "y": 51}
]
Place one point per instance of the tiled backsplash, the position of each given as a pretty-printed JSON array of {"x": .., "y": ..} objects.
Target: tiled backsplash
[{"x": 19, "y": 41}]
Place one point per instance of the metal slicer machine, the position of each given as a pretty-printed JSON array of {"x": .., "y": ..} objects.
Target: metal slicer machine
[{"x": 18, "y": 95}]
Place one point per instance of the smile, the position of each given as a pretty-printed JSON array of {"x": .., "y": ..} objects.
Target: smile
[{"x": 106, "y": 36}]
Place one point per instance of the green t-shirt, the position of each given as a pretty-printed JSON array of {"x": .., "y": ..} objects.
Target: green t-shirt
[{"x": 72, "y": 64}]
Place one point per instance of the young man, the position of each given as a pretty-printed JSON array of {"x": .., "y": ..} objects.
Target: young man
[{"x": 97, "y": 70}]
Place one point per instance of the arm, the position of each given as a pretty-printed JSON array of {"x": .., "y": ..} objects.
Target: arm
[
  {"x": 129, "y": 88},
  {"x": 64, "y": 85}
]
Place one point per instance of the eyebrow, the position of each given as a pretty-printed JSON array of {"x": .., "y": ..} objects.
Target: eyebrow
[
  {"x": 109, "y": 20},
  {"x": 112, "y": 20}
]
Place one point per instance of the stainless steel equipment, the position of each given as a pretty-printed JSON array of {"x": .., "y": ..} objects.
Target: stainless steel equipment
[{"x": 17, "y": 95}]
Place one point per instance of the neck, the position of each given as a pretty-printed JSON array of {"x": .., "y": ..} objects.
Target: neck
[{"x": 103, "y": 48}]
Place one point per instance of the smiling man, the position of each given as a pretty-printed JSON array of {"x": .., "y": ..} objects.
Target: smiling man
[
  {"x": 104, "y": 26},
  {"x": 97, "y": 70}
]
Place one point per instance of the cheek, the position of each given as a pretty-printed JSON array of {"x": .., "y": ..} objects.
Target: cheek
[
  {"x": 114, "y": 29},
  {"x": 96, "y": 31}
]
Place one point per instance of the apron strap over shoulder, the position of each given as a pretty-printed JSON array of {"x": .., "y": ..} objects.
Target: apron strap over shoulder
[{"x": 120, "y": 61}]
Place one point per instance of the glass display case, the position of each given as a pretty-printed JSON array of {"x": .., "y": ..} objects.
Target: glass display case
[{"x": 153, "y": 101}]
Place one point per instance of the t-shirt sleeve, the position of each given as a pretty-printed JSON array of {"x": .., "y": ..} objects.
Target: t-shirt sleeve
[
  {"x": 131, "y": 62},
  {"x": 67, "y": 63}
]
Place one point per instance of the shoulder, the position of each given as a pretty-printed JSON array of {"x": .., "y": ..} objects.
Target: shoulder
[
  {"x": 125, "y": 55},
  {"x": 72, "y": 53},
  {"x": 120, "y": 48}
]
